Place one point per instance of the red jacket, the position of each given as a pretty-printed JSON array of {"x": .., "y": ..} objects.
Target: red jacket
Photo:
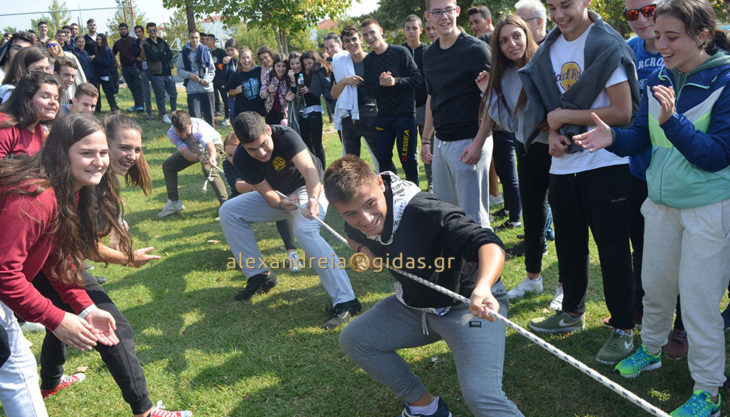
[{"x": 19, "y": 140}]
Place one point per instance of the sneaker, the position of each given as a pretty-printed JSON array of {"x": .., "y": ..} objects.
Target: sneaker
[
  {"x": 29, "y": 326},
  {"x": 726, "y": 316},
  {"x": 508, "y": 225},
  {"x": 527, "y": 285},
  {"x": 65, "y": 382},
  {"x": 638, "y": 362},
  {"x": 171, "y": 207},
  {"x": 557, "y": 301},
  {"x": 618, "y": 346},
  {"x": 559, "y": 322},
  {"x": 677, "y": 346},
  {"x": 225, "y": 122},
  {"x": 501, "y": 213},
  {"x": 159, "y": 411},
  {"x": 342, "y": 313},
  {"x": 257, "y": 284},
  {"x": 517, "y": 250},
  {"x": 493, "y": 201},
  {"x": 699, "y": 405},
  {"x": 166, "y": 119},
  {"x": 132, "y": 109},
  {"x": 441, "y": 411},
  {"x": 294, "y": 258}
]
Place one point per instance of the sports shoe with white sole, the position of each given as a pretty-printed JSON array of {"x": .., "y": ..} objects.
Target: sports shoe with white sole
[
  {"x": 65, "y": 382},
  {"x": 294, "y": 258},
  {"x": 441, "y": 411},
  {"x": 699, "y": 405},
  {"x": 171, "y": 207},
  {"x": 640, "y": 361},
  {"x": 557, "y": 301},
  {"x": 618, "y": 346},
  {"x": 159, "y": 411},
  {"x": 166, "y": 119},
  {"x": 559, "y": 322},
  {"x": 527, "y": 285}
]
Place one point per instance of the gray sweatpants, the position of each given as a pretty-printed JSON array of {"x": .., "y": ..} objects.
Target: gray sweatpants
[
  {"x": 237, "y": 217},
  {"x": 371, "y": 341},
  {"x": 465, "y": 186},
  {"x": 687, "y": 252}
]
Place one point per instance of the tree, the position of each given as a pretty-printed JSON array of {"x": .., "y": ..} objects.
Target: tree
[
  {"x": 59, "y": 17},
  {"x": 283, "y": 17},
  {"x": 193, "y": 9},
  {"x": 10, "y": 29},
  {"x": 178, "y": 28},
  {"x": 122, "y": 15}
]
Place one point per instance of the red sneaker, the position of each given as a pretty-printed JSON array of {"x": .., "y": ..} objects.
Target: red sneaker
[
  {"x": 66, "y": 381},
  {"x": 159, "y": 411}
]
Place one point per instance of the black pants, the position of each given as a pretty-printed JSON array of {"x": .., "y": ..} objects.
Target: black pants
[
  {"x": 353, "y": 130},
  {"x": 310, "y": 126},
  {"x": 598, "y": 199},
  {"x": 533, "y": 169},
  {"x": 286, "y": 231},
  {"x": 220, "y": 95},
  {"x": 503, "y": 155},
  {"x": 109, "y": 93},
  {"x": 200, "y": 105},
  {"x": 121, "y": 358}
]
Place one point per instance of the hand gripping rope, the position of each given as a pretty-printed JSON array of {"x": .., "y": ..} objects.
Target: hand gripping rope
[
  {"x": 210, "y": 178},
  {"x": 613, "y": 386}
]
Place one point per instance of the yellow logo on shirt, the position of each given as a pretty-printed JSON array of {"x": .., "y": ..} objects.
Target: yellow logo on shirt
[
  {"x": 278, "y": 163},
  {"x": 569, "y": 73}
]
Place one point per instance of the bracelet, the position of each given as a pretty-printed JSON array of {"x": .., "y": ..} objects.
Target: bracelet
[
  {"x": 85, "y": 312},
  {"x": 425, "y": 143}
]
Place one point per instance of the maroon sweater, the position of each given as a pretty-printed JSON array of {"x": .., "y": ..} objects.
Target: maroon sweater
[{"x": 28, "y": 223}]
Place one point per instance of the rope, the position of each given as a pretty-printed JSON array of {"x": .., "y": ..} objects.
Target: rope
[{"x": 613, "y": 386}]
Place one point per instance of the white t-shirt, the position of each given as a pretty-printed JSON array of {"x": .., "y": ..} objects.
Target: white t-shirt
[{"x": 567, "y": 58}]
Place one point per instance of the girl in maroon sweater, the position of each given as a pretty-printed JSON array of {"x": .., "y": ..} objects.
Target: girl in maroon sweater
[{"x": 46, "y": 206}]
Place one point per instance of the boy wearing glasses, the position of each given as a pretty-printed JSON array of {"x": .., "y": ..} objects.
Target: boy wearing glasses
[
  {"x": 460, "y": 165},
  {"x": 584, "y": 66}
]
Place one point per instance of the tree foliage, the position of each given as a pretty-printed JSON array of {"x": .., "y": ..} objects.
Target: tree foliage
[
  {"x": 58, "y": 17},
  {"x": 122, "y": 15},
  {"x": 10, "y": 29},
  {"x": 177, "y": 29}
]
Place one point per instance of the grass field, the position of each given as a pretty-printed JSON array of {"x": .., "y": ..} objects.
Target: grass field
[{"x": 205, "y": 352}]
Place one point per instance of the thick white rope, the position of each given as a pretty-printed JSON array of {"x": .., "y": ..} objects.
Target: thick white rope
[{"x": 613, "y": 386}]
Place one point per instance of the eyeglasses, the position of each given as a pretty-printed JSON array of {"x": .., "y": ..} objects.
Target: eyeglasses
[
  {"x": 51, "y": 44},
  {"x": 531, "y": 18},
  {"x": 633, "y": 14},
  {"x": 440, "y": 12}
]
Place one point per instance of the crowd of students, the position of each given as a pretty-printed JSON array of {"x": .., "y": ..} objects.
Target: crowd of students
[{"x": 555, "y": 113}]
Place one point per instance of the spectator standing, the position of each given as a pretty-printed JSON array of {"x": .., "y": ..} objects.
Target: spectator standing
[
  {"x": 480, "y": 21},
  {"x": 391, "y": 76},
  {"x": 70, "y": 74},
  {"x": 195, "y": 67},
  {"x": 533, "y": 13},
  {"x": 159, "y": 62},
  {"x": 230, "y": 66},
  {"x": 124, "y": 46},
  {"x": 245, "y": 84},
  {"x": 74, "y": 34},
  {"x": 91, "y": 37},
  {"x": 143, "y": 69},
  {"x": 220, "y": 93},
  {"x": 103, "y": 62},
  {"x": 85, "y": 62},
  {"x": 275, "y": 90},
  {"x": 43, "y": 32},
  {"x": 312, "y": 82}
]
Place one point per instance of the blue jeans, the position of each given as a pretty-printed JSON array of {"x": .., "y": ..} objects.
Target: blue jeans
[
  {"x": 162, "y": 84},
  {"x": 146, "y": 91},
  {"x": 504, "y": 163},
  {"x": 134, "y": 83},
  {"x": 400, "y": 130}
]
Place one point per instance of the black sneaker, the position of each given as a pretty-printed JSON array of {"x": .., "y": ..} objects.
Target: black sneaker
[
  {"x": 256, "y": 284},
  {"x": 342, "y": 313},
  {"x": 516, "y": 250},
  {"x": 500, "y": 213}
]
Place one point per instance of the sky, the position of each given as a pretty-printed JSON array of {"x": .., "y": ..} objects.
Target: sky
[{"x": 152, "y": 9}]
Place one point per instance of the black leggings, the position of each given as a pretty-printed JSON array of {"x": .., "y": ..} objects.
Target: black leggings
[
  {"x": 121, "y": 358},
  {"x": 310, "y": 126}
]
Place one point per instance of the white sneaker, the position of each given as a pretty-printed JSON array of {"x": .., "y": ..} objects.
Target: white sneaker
[
  {"x": 493, "y": 201},
  {"x": 527, "y": 285},
  {"x": 557, "y": 303},
  {"x": 294, "y": 258},
  {"x": 171, "y": 207},
  {"x": 166, "y": 119},
  {"x": 225, "y": 122}
]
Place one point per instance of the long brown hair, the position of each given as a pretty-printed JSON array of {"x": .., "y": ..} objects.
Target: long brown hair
[
  {"x": 500, "y": 63},
  {"x": 139, "y": 174},
  {"x": 81, "y": 217},
  {"x": 18, "y": 66},
  {"x": 19, "y": 106}
]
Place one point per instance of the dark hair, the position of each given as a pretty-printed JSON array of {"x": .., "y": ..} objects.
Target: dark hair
[
  {"x": 697, "y": 16},
  {"x": 210, "y": 35},
  {"x": 180, "y": 119},
  {"x": 318, "y": 63},
  {"x": 413, "y": 18},
  {"x": 345, "y": 176},
  {"x": 66, "y": 27},
  {"x": 90, "y": 21},
  {"x": 501, "y": 63},
  {"x": 349, "y": 31},
  {"x": 64, "y": 61},
  {"x": 150, "y": 24},
  {"x": 265, "y": 50},
  {"x": 483, "y": 10},
  {"x": 82, "y": 216},
  {"x": 87, "y": 89},
  {"x": 249, "y": 126},
  {"x": 333, "y": 36},
  {"x": 231, "y": 140},
  {"x": 42, "y": 22},
  {"x": 368, "y": 22},
  {"x": 194, "y": 31},
  {"x": 123, "y": 25},
  {"x": 19, "y": 106},
  {"x": 280, "y": 58},
  {"x": 139, "y": 174},
  {"x": 104, "y": 44},
  {"x": 231, "y": 43},
  {"x": 18, "y": 66},
  {"x": 138, "y": 26}
]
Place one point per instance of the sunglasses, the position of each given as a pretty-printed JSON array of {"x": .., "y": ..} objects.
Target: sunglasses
[
  {"x": 633, "y": 14},
  {"x": 50, "y": 45}
]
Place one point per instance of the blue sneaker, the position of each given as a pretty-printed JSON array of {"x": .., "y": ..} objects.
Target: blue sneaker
[
  {"x": 699, "y": 405},
  {"x": 638, "y": 362},
  {"x": 441, "y": 411}
]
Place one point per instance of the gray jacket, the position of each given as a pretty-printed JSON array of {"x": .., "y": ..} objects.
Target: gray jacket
[{"x": 604, "y": 51}]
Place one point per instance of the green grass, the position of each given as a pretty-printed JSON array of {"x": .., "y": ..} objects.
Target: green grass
[{"x": 203, "y": 351}]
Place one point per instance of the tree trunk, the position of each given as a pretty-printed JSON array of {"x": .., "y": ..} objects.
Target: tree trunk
[
  {"x": 281, "y": 40},
  {"x": 190, "y": 15}
]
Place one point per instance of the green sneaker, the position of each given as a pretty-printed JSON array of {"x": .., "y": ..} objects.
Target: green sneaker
[
  {"x": 559, "y": 322},
  {"x": 639, "y": 362},
  {"x": 618, "y": 346},
  {"x": 699, "y": 405}
]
